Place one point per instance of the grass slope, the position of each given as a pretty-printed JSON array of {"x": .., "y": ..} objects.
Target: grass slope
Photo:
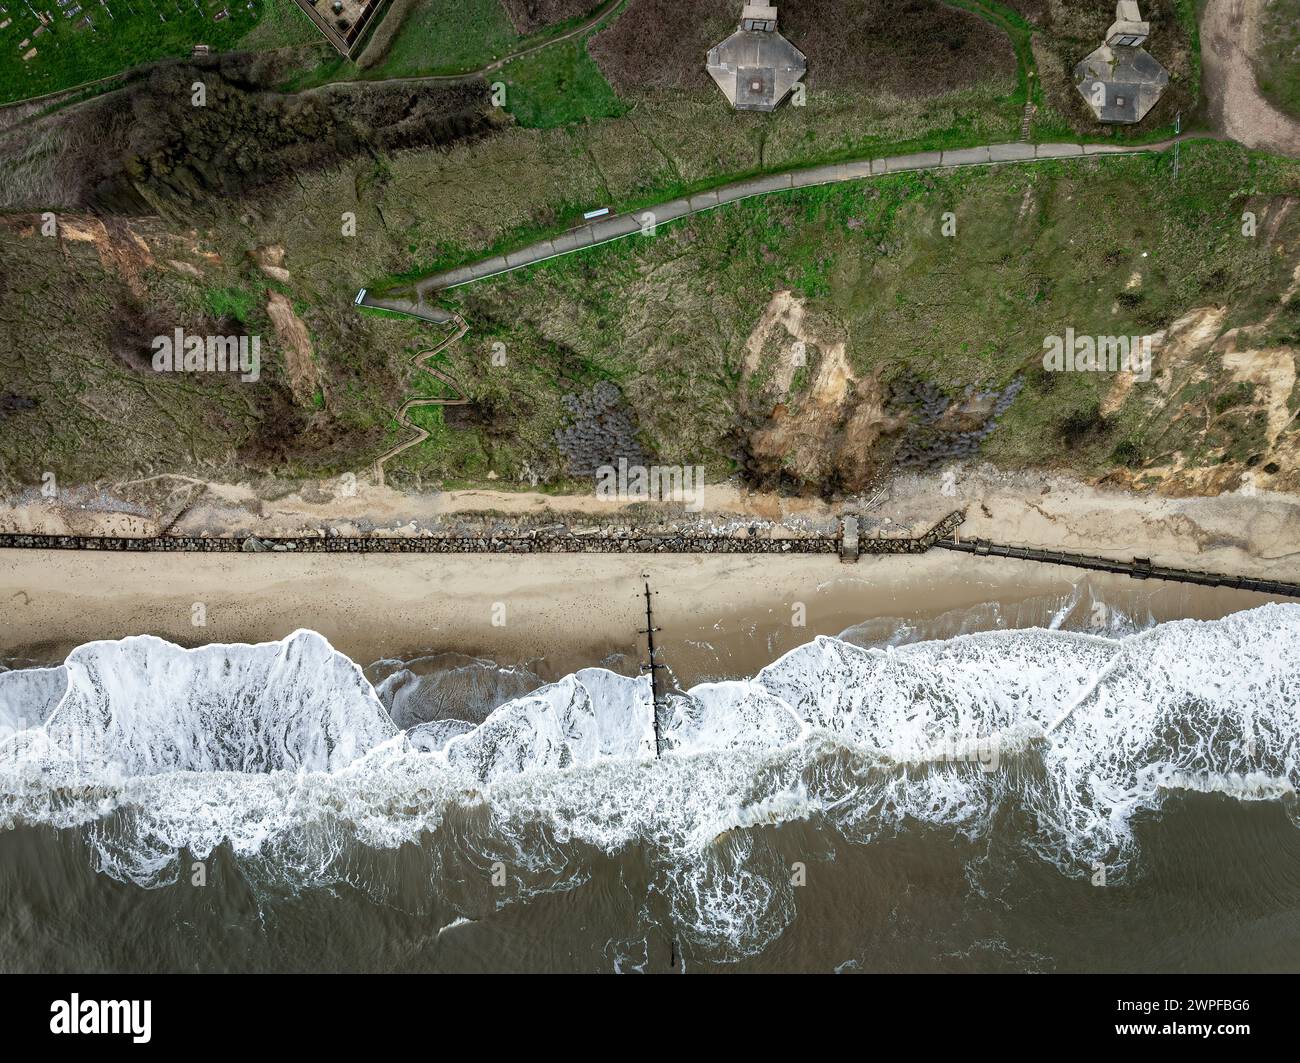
[
  {"x": 1039, "y": 250},
  {"x": 558, "y": 85},
  {"x": 1277, "y": 64},
  {"x": 123, "y": 34}
]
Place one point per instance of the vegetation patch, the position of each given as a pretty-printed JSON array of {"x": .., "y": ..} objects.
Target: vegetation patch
[
  {"x": 85, "y": 40},
  {"x": 438, "y": 37},
  {"x": 943, "y": 337},
  {"x": 528, "y": 16},
  {"x": 148, "y": 149},
  {"x": 558, "y": 85},
  {"x": 237, "y": 303},
  {"x": 1277, "y": 55}
]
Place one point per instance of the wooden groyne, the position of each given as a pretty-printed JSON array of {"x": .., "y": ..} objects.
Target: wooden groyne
[
  {"x": 847, "y": 544},
  {"x": 541, "y": 541},
  {"x": 1138, "y": 568}
]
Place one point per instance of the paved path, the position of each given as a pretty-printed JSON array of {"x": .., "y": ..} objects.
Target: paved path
[{"x": 619, "y": 226}]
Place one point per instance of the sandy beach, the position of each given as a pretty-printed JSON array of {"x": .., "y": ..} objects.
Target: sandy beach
[{"x": 719, "y": 616}]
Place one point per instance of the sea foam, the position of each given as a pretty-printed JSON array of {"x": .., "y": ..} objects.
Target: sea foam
[{"x": 285, "y": 753}]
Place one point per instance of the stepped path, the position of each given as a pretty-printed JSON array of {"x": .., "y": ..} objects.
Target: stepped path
[{"x": 421, "y": 359}]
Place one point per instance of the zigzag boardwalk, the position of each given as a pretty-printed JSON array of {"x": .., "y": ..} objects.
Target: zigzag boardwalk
[{"x": 410, "y": 404}]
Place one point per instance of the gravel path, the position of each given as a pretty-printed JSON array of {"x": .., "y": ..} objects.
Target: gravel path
[{"x": 1237, "y": 107}]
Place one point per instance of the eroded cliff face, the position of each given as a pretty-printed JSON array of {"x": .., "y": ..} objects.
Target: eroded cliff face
[{"x": 1218, "y": 412}]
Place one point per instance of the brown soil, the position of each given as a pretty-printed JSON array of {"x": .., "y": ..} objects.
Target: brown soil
[
  {"x": 913, "y": 48},
  {"x": 528, "y": 16},
  {"x": 1237, "y": 107},
  {"x": 270, "y": 260},
  {"x": 119, "y": 247},
  {"x": 295, "y": 340},
  {"x": 824, "y": 434}
]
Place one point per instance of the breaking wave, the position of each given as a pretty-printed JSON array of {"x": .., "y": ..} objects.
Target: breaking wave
[{"x": 286, "y": 753}]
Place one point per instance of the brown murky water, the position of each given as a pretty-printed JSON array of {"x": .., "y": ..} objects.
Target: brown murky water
[{"x": 746, "y": 847}]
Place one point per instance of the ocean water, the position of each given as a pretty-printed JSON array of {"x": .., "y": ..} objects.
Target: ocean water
[{"x": 1014, "y": 798}]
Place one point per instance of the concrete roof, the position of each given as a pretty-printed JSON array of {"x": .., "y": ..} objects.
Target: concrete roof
[
  {"x": 756, "y": 70},
  {"x": 1134, "y": 81}
]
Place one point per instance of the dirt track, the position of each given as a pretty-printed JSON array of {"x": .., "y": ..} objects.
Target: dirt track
[{"x": 1237, "y": 108}]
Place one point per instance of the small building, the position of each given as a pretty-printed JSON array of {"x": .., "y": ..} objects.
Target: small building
[
  {"x": 1120, "y": 81},
  {"x": 756, "y": 68},
  {"x": 1128, "y": 30}
]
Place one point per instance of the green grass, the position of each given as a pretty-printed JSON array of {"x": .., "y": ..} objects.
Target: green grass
[
  {"x": 1039, "y": 248},
  {"x": 1277, "y": 66},
  {"x": 565, "y": 215},
  {"x": 1189, "y": 15},
  {"x": 436, "y": 38},
  {"x": 448, "y": 37},
  {"x": 238, "y": 303},
  {"x": 283, "y": 24},
  {"x": 558, "y": 85},
  {"x": 1014, "y": 25},
  {"x": 125, "y": 34}
]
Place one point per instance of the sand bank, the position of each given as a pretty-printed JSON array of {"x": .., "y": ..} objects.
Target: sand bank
[{"x": 719, "y": 616}]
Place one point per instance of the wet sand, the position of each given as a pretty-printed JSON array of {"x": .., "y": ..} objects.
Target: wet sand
[{"x": 718, "y": 616}]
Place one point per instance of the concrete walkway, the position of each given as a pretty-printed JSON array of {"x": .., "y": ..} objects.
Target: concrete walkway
[{"x": 619, "y": 226}]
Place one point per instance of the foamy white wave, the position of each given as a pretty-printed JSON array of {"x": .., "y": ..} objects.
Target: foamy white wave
[
  {"x": 148, "y": 707},
  {"x": 286, "y": 754},
  {"x": 28, "y": 696},
  {"x": 589, "y": 716}
]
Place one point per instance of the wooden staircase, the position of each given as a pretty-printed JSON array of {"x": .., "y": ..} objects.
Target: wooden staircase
[{"x": 1026, "y": 120}]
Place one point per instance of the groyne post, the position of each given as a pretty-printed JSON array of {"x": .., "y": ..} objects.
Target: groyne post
[{"x": 653, "y": 666}]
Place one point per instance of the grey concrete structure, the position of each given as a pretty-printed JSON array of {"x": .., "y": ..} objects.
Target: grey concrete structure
[
  {"x": 1120, "y": 81},
  {"x": 965, "y": 157},
  {"x": 1012, "y": 152},
  {"x": 756, "y": 68}
]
